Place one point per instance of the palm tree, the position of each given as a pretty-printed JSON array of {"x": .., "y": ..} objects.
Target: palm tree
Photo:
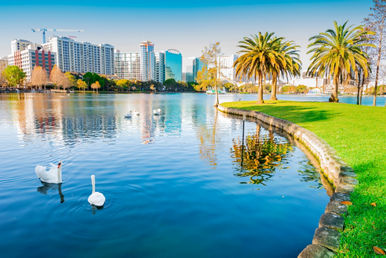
[
  {"x": 337, "y": 53},
  {"x": 288, "y": 64},
  {"x": 257, "y": 56}
]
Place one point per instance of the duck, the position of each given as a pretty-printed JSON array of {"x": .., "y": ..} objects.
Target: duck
[
  {"x": 128, "y": 116},
  {"x": 136, "y": 113},
  {"x": 50, "y": 176},
  {"x": 157, "y": 112},
  {"x": 96, "y": 198}
]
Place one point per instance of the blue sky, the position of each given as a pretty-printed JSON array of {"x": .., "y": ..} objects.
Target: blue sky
[{"x": 187, "y": 26}]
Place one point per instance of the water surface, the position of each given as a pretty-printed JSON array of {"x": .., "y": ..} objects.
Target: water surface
[{"x": 177, "y": 185}]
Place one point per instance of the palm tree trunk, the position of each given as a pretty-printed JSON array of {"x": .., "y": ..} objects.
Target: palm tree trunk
[
  {"x": 361, "y": 91},
  {"x": 378, "y": 64},
  {"x": 274, "y": 87},
  {"x": 359, "y": 87},
  {"x": 334, "y": 95},
  {"x": 260, "y": 99}
]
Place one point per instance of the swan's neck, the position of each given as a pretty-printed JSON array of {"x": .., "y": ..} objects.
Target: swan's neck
[
  {"x": 93, "y": 183},
  {"x": 59, "y": 174}
]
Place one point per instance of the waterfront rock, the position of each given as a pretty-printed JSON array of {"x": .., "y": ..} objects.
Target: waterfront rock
[
  {"x": 347, "y": 180},
  {"x": 340, "y": 197},
  {"x": 331, "y": 220},
  {"x": 336, "y": 207},
  {"x": 327, "y": 237},
  {"x": 316, "y": 251},
  {"x": 346, "y": 189}
]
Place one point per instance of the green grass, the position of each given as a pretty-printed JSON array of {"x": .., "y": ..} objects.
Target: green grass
[{"x": 358, "y": 134}]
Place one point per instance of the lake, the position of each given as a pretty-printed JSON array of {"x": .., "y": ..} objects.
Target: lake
[{"x": 182, "y": 184}]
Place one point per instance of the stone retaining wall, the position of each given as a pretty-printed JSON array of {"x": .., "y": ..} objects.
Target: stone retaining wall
[{"x": 327, "y": 236}]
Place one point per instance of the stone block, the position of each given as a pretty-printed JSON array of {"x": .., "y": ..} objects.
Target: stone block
[
  {"x": 336, "y": 207},
  {"x": 340, "y": 197},
  {"x": 327, "y": 237},
  {"x": 331, "y": 220},
  {"x": 316, "y": 251}
]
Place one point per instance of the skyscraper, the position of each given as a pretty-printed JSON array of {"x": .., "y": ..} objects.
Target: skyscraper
[
  {"x": 173, "y": 65},
  {"x": 188, "y": 67},
  {"x": 127, "y": 65},
  {"x": 160, "y": 67},
  {"x": 227, "y": 71},
  {"x": 147, "y": 61},
  {"x": 82, "y": 57},
  {"x": 197, "y": 66}
]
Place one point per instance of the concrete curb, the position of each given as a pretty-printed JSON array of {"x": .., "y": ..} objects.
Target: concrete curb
[{"x": 327, "y": 236}]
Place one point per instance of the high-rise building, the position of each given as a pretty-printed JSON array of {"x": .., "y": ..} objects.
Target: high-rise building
[
  {"x": 173, "y": 65},
  {"x": 188, "y": 69},
  {"x": 160, "y": 67},
  {"x": 197, "y": 66},
  {"x": 227, "y": 71},
  {"x": 127, "y": 65},
  {"x": 82, "y": 57},
  {"x": 28, "y": 57},
  {"x": 147, "y": 61},
  {"x": 19, "y": 45}
]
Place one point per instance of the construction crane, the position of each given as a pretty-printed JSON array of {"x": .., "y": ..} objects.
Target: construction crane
[{"x": 44, "y": 30}]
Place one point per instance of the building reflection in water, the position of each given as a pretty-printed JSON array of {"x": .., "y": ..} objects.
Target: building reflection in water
[
  {"x": 259, "y": 156},
  {"x": 66, "y": 119}
]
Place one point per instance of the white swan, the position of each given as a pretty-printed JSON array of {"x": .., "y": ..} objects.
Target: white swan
[
  {"x": 51, "y": 176},
  {"x": 157, "y": 112},
  {"x": 96, "y": 198}
]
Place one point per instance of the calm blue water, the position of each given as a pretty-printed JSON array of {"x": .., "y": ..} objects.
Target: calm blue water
[{"x": 174, "y": 185}]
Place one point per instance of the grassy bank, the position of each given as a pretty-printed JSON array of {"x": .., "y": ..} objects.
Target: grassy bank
[{"x": 358, "y": 134}]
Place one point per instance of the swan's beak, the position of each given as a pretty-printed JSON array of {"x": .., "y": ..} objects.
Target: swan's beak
[{"x": 59, "y": 164}]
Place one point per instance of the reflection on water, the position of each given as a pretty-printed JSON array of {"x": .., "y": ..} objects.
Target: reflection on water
[
  {"x": 51, "y": 187},
  {"x": 259, "y": 157}
]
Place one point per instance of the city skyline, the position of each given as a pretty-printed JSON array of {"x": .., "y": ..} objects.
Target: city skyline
[{"x": 188, "y": 27}]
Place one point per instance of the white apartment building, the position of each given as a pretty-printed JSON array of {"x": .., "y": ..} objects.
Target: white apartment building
[
  {"x": 188, "y": 69},
  {"x": 19, "y": 45},
  {"x": 147, "y": 61},
  {"x": 227, "y": 72},
  {"x": 82, "y": 57},
  {"x": 160, "y": 67},
  {"x": 127, "y": 65},
  {"x": 27, "y": 57}
]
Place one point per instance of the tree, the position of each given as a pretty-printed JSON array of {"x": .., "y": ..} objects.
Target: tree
[
  {"x": 81, "y": 84},
  {"x": 123, "y": 83},
  {"x": 95, "y": 86},
  {"x": 60, "y": 79},
  {"x": 39, "y": 77},
  {"x": 258, "y": 55},
  {"x": 376, "y": 23},
  {"x": 71, "y": 78},
  {"x": 13, "y": 75},
  {"x": 209, "y": 57},
  {"x": 287, "y": 63},
  {"x": 205, "y": 78},
  {"x": 337, "y": 53}
]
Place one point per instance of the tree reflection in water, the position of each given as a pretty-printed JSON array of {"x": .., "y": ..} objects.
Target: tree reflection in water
[{"x": 259, "y": 157}]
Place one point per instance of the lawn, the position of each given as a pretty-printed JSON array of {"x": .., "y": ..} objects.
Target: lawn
[{"x": 358, "y": 134}]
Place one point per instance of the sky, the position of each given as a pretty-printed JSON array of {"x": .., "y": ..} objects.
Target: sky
[{"x": 188, "y": 26}]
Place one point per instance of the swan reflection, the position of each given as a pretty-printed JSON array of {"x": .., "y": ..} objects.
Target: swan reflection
[{"x": 48, "y": 187}]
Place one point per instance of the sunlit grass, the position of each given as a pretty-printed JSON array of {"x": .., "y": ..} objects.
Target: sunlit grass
[{"x": 358, "y": 134}]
